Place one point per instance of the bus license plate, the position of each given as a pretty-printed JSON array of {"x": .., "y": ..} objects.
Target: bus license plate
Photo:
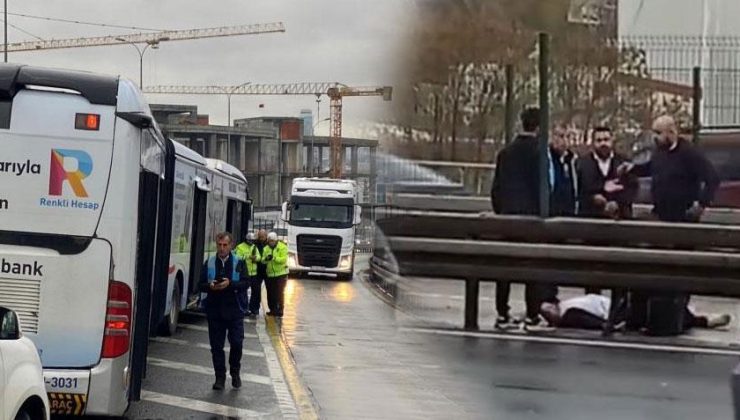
[{"x": 66, "y": 381}]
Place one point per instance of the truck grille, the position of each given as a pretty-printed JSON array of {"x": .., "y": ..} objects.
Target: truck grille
[
  {"x": 319, "y": 250},
  {"x": 24, "y": 297}
]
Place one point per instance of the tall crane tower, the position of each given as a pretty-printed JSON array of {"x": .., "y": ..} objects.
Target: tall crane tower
[
  {"x": 148, "y": 37},
  {"x": 335, "y": 91}
]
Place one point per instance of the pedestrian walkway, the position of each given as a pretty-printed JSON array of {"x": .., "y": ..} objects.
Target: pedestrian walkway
[
  {"x": 440, "y": 303},
  {"x": 180, "y": 375}
]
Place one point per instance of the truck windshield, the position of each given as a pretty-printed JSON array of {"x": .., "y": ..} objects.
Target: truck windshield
[{"x": 321, "y": 215}]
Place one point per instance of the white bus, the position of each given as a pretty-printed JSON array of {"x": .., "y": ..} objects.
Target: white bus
[
  {"x": 209, "y": 196},
  {"x": 94, "y": 201}
]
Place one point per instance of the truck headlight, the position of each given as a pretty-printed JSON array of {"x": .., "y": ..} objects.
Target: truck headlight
[
  {"x": 292, "y": 260},
  {"x": 345, "y": 263}
]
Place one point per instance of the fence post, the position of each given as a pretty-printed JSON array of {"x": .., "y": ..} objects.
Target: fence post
[
  {"x": 696, "y": 105},
  {"x": 544, "y": 70},
  {"x": 472, "y": 292},
  {"x": 735, "y": 383}
]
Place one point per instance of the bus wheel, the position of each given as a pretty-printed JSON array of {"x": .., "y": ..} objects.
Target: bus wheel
[{"x": 169, "y": 324}]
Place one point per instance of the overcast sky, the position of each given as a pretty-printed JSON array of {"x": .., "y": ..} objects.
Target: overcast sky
[
  {"x": 679, "y": 17},
  {"x": 357, "y": 42}
]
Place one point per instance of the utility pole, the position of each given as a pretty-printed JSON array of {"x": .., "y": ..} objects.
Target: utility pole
[{"x": 5, "y": 13}]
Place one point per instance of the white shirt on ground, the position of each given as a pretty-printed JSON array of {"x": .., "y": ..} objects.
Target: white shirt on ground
[{"x": 596, "y": 305}]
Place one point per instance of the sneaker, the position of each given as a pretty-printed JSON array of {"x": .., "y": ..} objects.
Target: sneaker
[
  {"x": 718, "y": 321},
  {"x": 536, "y": 324},
  {"x": 504, "y": 323}
]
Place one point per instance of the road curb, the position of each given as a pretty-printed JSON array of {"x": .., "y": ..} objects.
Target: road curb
[{"x": 305, "y": 404}]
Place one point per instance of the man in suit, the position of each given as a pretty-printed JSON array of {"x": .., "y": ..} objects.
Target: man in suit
[
  {"x": 603, "y": 192},
  {"x": 606, "y": 194}
]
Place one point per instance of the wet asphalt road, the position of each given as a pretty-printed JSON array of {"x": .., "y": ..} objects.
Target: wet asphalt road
[{"x": 362, "y": 360}]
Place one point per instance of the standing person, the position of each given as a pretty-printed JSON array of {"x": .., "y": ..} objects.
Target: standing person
[
  {"x": 563, "y": 188},
  {"x": 224, "y": 282},
  {"x": 564, "y": 184},
  {"x": 683, "y": 184},
  {"x": 683, "y": 180},
  {"x": 254, "y": 303},
  {"x": 275, "y": 255},
  {"x": 515, "y": 190},
  {"x": 250, "y": 254},
  {"x": 604, "y": 193}
]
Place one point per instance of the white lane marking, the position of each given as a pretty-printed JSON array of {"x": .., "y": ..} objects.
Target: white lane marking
[
  {"x": 197, "y": 405},
  {"x": 250, "y": 377},
  {"x": 175, "y": 341},
  {"x": 285, "y": 399},
  {"x": 205, "y": 328},
  {"x": 580, "y": 342}
]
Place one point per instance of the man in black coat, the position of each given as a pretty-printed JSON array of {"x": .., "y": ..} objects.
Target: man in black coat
[
  {"x": 683, "y": 180},
  {"x": 683, "y": 185},
  {"x": 515, "y": 191}
]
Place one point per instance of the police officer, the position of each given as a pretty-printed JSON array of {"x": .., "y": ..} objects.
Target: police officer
[
  {"x": 275, "y": 255},
  {"x": 224, "y": 281},
  {"x": 251, "y": 255}
]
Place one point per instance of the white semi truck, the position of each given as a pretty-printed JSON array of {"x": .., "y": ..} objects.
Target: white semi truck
[{"x": 321, "y": 216}]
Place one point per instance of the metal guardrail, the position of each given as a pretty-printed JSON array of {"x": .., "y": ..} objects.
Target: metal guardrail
[
  {"x": 695, "y": 258},
  {"x": 472, "y": 204}
]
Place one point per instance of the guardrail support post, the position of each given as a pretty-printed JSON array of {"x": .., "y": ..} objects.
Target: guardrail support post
[
  {"x": 735, "y": 382},
  {"x": 472, "y": 291}
]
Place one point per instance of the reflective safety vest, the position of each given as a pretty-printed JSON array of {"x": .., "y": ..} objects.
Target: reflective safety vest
[
  {"x": 278, "y": 265},
  {"x": 212, "y": 268},
  {"x": 244, "y": 251}
]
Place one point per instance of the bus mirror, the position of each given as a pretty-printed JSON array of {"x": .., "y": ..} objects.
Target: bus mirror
[
  {"x": 358, "y": 215},
  {"x": 284, "y": 213}
]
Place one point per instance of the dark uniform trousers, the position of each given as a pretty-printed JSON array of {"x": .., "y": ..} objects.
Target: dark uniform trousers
[
  {"x": 276, "y": 293},
  {"x": 218, "y": 328},
  {"x": 255, "y": 293}
]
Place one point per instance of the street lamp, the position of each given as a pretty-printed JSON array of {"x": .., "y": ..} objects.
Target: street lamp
[
  {"x": 229, "y": 92},
  {"x": 154, "y": 44},
  {"x": 313, "y": 136}
]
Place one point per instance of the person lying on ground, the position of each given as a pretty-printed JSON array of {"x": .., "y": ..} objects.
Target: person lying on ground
[{"x": 590, "y": 312}]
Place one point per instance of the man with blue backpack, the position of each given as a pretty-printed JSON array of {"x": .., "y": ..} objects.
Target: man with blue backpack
[{"x": 225, "y": 282}]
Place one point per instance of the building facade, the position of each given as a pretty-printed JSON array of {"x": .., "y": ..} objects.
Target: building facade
[{"x": 270, "y": 151}]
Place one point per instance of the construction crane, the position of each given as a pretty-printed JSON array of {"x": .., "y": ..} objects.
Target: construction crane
[
  {"x": 148, "y": 38},
  {"x": 335, "y": 91}
]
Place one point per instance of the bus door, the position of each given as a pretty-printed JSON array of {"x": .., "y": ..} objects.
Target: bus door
[
  {"x": 150, "y": 182},
  {"x": 164, "y": 234},
  {"x": 198, "y": 232}
]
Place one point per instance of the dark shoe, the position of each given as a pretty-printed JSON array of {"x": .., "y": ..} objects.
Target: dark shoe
[
  {"x": 271, "y": 313},
  {"x": 220, "y": 383},
  {"x": 236, "y": 381}
]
